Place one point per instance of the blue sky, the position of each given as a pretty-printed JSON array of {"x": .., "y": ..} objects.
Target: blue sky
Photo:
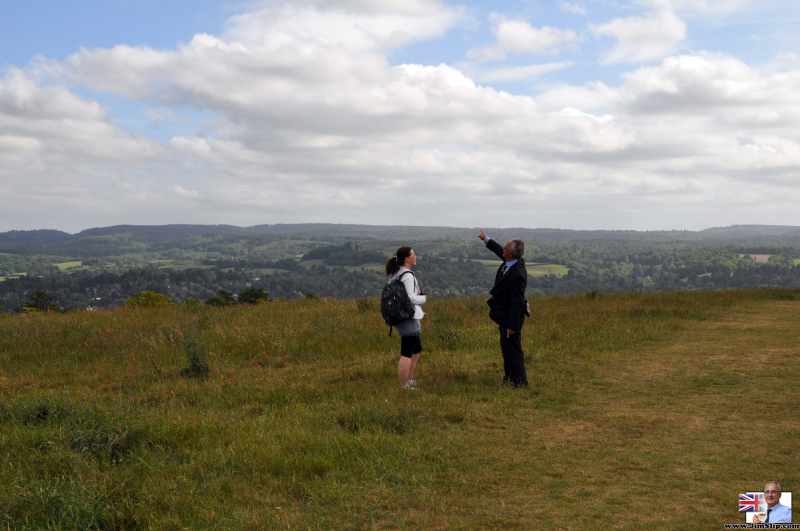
[
  {"x": 650, "y": 114},
  {"x": 56, "y": 29}
]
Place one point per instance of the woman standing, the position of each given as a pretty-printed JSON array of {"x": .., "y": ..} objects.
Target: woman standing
[{"x": 399, "y": 266}]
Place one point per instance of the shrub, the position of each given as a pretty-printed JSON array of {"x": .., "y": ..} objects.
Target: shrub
[
  {"x": 192, "y": 304},
  {"x": 149, "y": 299},
  {"x": 253, "y": 296},
  {"x": 225, "y": 298},
  {"x": 40, "y": 301},
  {"x": 196, "y": 358}
]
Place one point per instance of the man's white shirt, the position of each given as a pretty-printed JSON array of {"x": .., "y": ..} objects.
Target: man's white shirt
[{"x": 780, "y": 514}]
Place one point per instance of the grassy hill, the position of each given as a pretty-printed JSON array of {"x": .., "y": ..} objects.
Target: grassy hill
[{"x": 644, "y": 411}]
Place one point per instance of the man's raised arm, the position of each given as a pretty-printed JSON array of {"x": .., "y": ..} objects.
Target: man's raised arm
[{"x": 492, "y": 245}]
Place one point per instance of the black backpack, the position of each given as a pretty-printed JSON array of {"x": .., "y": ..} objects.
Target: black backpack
[{"x": 396, "y": 307}]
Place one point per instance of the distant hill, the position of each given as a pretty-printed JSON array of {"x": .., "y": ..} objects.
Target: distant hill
[
  {"x": 739, "y": 231},
  {"x": 17, "y": 239},
  {"x": 160, "y": 231},
  {"x": 368, "y": 231},
  {"x": 120, "y": 239}
]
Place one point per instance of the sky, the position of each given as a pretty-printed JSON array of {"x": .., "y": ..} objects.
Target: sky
[{"x": 591, "y": 114}]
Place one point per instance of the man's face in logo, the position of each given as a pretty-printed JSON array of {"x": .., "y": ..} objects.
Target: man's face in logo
[{"x": 772, "y": 494}]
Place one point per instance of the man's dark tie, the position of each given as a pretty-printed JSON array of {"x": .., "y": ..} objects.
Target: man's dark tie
[
  {"x": 767, "y": 520},
  {"x": 500, "y": 272}
]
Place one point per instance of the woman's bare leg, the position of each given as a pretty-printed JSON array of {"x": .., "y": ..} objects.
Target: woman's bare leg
[
  {"x": 403, "y": 370},
  {"x": 414, "y": 358}
]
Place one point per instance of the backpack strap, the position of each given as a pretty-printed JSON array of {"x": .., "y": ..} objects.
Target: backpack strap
[
  {"x": 412, "y": 274},
  {"x": 398, "y": 278}
]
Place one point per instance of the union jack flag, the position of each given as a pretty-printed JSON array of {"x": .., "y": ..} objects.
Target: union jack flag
[{"x": 752, "y": 501}]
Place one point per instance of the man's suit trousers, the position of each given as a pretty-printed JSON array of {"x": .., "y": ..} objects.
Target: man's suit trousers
[{"x": 513, "y": 357}]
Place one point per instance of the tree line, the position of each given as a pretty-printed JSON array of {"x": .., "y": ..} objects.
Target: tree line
[{"x": 446, "y": 269}]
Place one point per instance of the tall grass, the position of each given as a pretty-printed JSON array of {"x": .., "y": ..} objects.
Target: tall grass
[{"x": 298, "y": 423}]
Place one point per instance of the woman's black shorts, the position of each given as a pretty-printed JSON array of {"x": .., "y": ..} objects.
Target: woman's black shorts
[{"x": 410, "y": 345}]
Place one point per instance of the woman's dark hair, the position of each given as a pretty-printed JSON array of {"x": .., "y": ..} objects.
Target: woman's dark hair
[{"x": 399, "y": 258}]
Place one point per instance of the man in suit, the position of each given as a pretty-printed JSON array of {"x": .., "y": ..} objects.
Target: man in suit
[{"x": 507, "y": 306}]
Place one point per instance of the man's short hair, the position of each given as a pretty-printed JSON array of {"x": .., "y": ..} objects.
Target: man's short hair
[
  {"x": 518, "y": 249},
  {"x": 773, "y": 482}
]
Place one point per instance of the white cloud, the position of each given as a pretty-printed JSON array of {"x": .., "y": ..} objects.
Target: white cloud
[
  {"x": 713, "y": 7},
  {"x": 521, "y": 72},
  {"x": 61, "y": 157},
  {"x": 313, "y": 123},
  {"x": 642, "y": 38},
  {"x": 708, "y": 85},
  {"x": 59, "y": 124},
  {"x": 353, "y": 25},
  {"x": 519, "y": 36},
  {"x": 576, "y": 9}
]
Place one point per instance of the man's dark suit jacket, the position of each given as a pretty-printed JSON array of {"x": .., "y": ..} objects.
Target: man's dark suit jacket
[{"x": 507, "y": 304}]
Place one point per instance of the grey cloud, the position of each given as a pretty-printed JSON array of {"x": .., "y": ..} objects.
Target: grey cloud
[{"x": 703, "y": 84}]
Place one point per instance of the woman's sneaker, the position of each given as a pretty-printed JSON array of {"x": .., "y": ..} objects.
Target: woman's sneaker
[
  {"x": 409, "y": 386},
  {"x": 412, "y": 383}
]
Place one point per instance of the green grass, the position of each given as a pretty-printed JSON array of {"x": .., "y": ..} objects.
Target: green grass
[
  {"x": 534, "y": 269},
  {"x": 493, "y": 263},
  {"x": 185, "y": 267},
  {"x": 270, "y": 271},
  {"x": 63, "y": 266},
  {"x": 283, "y": 243},
  {"x": 797, "y": 261},
  {"x": 372, "y": 266},
  {"x": 316, "y": 262},
  {"x": 260, "y": 271},
  {"x": 636, "y": 403},
  {"x": 540, "y": 270}
]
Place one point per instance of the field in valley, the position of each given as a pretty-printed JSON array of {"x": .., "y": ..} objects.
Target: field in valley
[{"x": 644, "y": 411}]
